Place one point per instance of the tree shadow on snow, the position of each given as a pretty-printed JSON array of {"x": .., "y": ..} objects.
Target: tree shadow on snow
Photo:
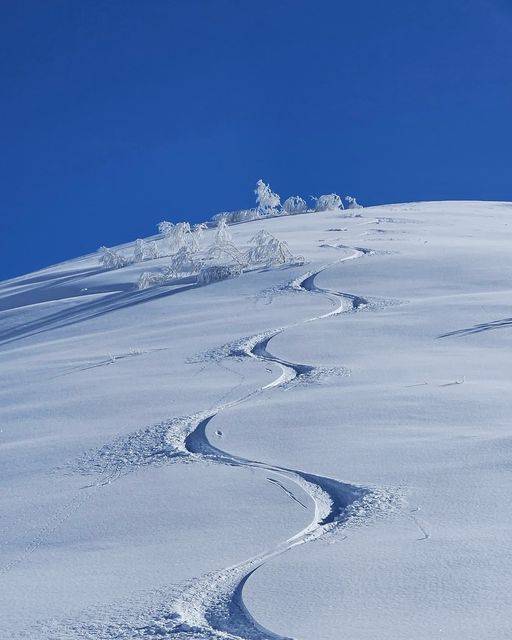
[{"x": 94, "y": 309}]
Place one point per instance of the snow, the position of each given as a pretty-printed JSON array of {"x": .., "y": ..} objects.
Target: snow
[{"x": 305, "y": 451}]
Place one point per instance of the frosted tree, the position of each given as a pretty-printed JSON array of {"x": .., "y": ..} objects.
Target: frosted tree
[
  {"x": 241, "y": 215},
  {"x": 269, "y": 250},
  {"x": 294, "y": 204},
  {"x": 352, "y": 203},
  {"x": 199, "y": 229},
  {"x": 246, "y": 215},
  {"x": 111, "y": 259},
  {"x": 151, "y": 249},
  {"x": 223, "y": 248},
  {"x": 258, "y": 253},
  {"x": 182, "y": 262},
  {"x": 195, "y": 236},
  {"x": 165, "y": 228},
  {"x": 179, "y": 234},
  {"x": 144, "y": 250},
  {"x": 227, "y": 252},
  {"x": 267, "y": 200},
  {"x": 214, "y": 273},
  {"x": 150, "y": 279},
  {"x": 329, "y": 202},
  {"x": 138, "y": 251},
  {"x": 175, "y": 235},
  {"x": 193, "y": 242},
  {"x": 222, "y": 235}
]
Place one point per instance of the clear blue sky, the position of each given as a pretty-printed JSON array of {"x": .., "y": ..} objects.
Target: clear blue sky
[{"x": 116, "y": 114}]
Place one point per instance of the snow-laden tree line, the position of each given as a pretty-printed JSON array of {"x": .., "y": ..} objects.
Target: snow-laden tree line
[
  {"x": 186, "y": 254},
  {"x": 268, "y": 204}
]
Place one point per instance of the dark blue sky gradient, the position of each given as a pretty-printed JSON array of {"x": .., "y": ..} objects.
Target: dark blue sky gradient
[{"x": 118, "y": 114}]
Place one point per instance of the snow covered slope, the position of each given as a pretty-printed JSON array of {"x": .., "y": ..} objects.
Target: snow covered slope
[{"x": 311, "y": 452}]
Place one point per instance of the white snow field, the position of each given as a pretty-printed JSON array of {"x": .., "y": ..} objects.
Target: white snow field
[{"x": 315, "y": 451}]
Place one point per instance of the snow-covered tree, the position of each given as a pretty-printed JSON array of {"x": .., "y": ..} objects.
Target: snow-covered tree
[
  {"x": 182, "y": 262},
  {"x": 222, "y": 235},
  {"x": 223, "y": 247},
  {"x": 352, "y": 203},
  {"x": 175, "y": 235},
  {"x": 138, "y": 251},
  {"x": 329, "y": 202},
  {"x": 144, "y": 250},
  {"x": 267, "y": 200},
  {"x": 150, "y": 279},
  {"x": 246, "y": 215},
  {"x": 269, "y": 250},
  {"x": 258, "y": 252},
  {"x": 199, "y": 230},
  {"x": 151, "y": 249},
  {"x": 242, "y": 215},
  {"x": 165, "y": 228},
  {"x": 111, "y": 259},
  {"x": 179, "y": 234},
  {"x": 227, "y": 252},
  {"x": 195, "y": 236},
  {"x": 294, "y": 204},
  {"x": 214, "y": 273}
]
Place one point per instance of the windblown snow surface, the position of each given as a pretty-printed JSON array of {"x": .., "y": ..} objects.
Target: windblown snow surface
[{"x": 312, "y": 452}]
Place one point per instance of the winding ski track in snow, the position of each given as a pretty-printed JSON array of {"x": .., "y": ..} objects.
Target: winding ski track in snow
[
  {"x": 212, "y": 607},
  {"x": 216, "y": 609}
]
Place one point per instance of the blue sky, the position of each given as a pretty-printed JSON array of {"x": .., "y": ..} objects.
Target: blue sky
[{"x": 116, "y": 115}]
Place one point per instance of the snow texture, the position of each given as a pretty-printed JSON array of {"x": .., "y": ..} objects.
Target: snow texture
[{"x": 312, "y": 449}]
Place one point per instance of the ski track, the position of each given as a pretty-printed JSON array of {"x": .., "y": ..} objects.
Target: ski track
[{"x": 212, "y": 607}]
